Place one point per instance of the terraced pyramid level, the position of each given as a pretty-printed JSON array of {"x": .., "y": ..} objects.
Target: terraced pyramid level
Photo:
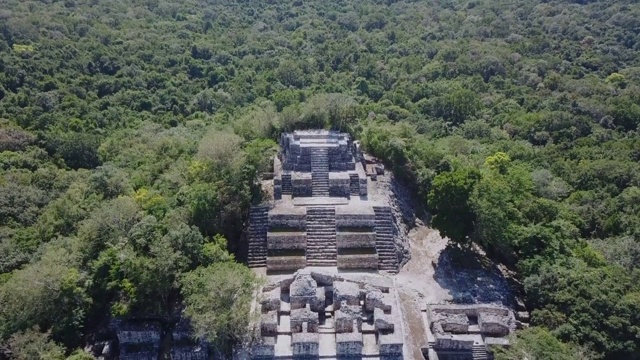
[{"x": 320, "y": 215}]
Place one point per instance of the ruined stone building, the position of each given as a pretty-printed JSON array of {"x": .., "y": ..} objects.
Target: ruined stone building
[
  {"x": 324, "y": 245},
  {"x": 315, "y": 314},
  {"x": 467, "y": 332},
  {"x": 320, "y": 214}
]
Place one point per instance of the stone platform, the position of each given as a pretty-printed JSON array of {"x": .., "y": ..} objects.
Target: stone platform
[
  {"x": 320, "y": 214},
  {"x": 319, "y": 314},
  {"x": 466, "y": 331},
  {"x": 320, "y": 201}
]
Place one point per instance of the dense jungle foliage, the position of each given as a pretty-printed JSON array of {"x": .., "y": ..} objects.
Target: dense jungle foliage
[{"x": 132, "y": 133}]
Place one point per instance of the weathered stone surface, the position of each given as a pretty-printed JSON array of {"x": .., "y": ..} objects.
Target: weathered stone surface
[
  {"x": 358, "y": 261},
  {"x": 496, "y": 341},
  {"x": 303, "y": 290},
  {"x": 271, "y": 300},
  {"x": 454, "y": 323},
  {"x": 492, "y": 324},
  {"x": 286, "y": 240},
  {"x": 382, "y": 321},
  {"x": 347, "y": 292},
  {"x": 269, "y": 323},
  {"x": 349, "y": 344},
  {"x": 323, "y": 279},
  {"x": 317, "y": 304},
  {"x": 286, "y": 263},
  {"x": 356, "y": 240},
  {"x": 305, "y": 345},
  {"x": 453, "y": 342},
  {"x": 347, "y": 317},
  {"x": 304, "y": 315},
  {"x": 376, "y": 299},
  {"x": 390, "y": 344},
  {"x": 523, "y": 316}
]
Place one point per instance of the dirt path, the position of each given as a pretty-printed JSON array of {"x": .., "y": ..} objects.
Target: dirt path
[
  {"x": 416, "y": 286},
  {"x": 415, "y": 335}
]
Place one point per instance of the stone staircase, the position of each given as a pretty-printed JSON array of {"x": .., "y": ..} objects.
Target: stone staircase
[
  {"x": 321, "y": 237},
  {"x": 385, "y": 246},
  {"x": 319, "y": 171},
  {"x": 258, "y": 225},
  {"x": 354, "y": 185},
  {"x": 286, "y": 184},
  {"x": 479, "y": 352}
]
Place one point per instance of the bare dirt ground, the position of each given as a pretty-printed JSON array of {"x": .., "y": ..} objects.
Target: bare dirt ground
[
  {"x": 417, "y": 286},
  {"x": 433, "y": 271},
  {"x": 418, "y": 275}
]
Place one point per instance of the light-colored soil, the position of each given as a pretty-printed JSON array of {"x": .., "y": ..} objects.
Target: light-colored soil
[
  {"x": 417, "y": 286},
  {"x": 417, "y": 276}
]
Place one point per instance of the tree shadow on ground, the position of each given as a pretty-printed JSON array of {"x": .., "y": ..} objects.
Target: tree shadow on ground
[{"x": 472, "y": 278}]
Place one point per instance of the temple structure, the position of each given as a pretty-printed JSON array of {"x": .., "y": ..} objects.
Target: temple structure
[
  {"x": 320, "y": 214},
  {"x": 467, "y": 332},
  {"x": 315, "y": 314},
  {"x": 328, "y": 251}
]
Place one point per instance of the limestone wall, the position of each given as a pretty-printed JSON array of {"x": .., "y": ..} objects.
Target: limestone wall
[
  {"x": 339, "y": 187},
  {"x": 286, "y": 263},
  {"x": 354, "y": 240},
  {"x": 305, "y": 345},
  {"x": 349, "y": 344},
  {"x": 358, "y": 261},
  {"x": 350, "y": 222},
  {"x": 301, "y": 187},
  {"x": 286, "y": 241},
  {"x": 287, "y": 222}
]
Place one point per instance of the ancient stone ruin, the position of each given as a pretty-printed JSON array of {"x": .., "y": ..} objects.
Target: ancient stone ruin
[
  {"x": 466, "y": 332},
  {"x": 327, "y": 250},
  {"x": 318, "y": 314},
  {"x": 320, "y": 214},
  {"x": 141, "y": 340}
]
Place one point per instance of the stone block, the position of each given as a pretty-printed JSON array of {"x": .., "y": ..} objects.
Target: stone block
[
  {"x": 305, "y": 345},
  {"x": 382, "y": 322},
  {"x": 263, "y": 349},
  {"x": 358, "y": 222},
  {"x": 286, "y": 240},
  {"x": 347, "y": 292},
  {"x": 453, "y": 343},
  {"x": 269, "y": 323},
  {"x": 339, "y": 190},
  {"x": 523, "y": 316},
  {"x": 355, "y": 240},
  {"x": 349, "y": 344},
  {"x": 454, "y": 323},
  {"x": 301, "y": 316},
  {"x": 322, "y": 279},
  {"x": 347, "y": 317},
  {"x": 493, "y": 324},
  {"x": 287, "y": 222},
  {"x": 390, "y": 344},
  {"x": 358, "y": 261},
  {"x": 317, "y": 304},
  {"x": 303, "y": 290},
  {"x": 376, "y": 299},
  {"x": 271, "y": 300},
  {"x": 286, "y": 263}
]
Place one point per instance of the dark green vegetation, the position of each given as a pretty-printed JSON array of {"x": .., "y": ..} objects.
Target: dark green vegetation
[{"x": 131, "y": 133}]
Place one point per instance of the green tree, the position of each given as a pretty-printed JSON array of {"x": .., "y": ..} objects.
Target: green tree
[
  {"x": 449, "y": 199},
  {"x": 32, "y": 344},
  {"x": 539, "y": 344},
  {"x": 218, "y": 301}
]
